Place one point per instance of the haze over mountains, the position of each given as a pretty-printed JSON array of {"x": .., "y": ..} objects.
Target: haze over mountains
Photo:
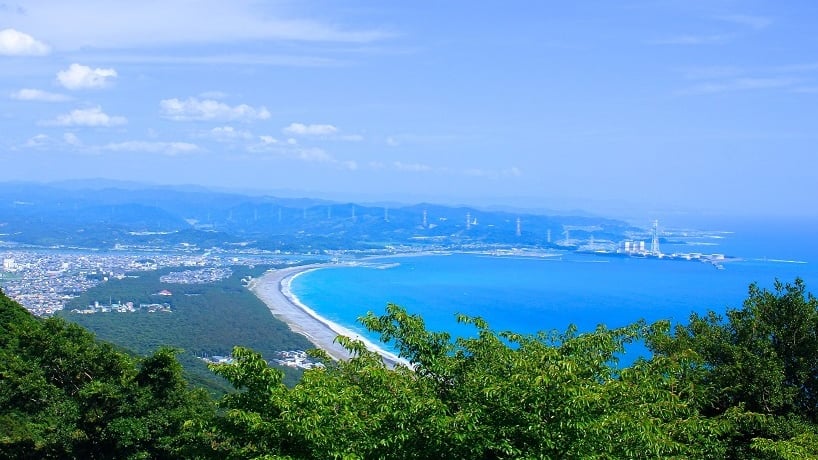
[{"x": 117, "y": 215}]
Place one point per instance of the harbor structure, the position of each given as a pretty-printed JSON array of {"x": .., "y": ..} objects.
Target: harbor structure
[{"x": 654, "y": 243}]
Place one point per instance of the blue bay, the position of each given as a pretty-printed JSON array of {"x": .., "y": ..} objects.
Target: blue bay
[{"x": 528, "y": 295}]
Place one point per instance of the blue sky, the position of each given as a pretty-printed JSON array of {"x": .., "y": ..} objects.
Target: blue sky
[{"x": 690, "y": 105}]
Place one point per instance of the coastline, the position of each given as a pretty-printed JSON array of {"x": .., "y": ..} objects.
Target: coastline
[{"x": 274, "y": 289}]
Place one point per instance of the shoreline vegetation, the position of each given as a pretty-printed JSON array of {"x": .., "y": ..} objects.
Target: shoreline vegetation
[{"x": 274, "y": 289}]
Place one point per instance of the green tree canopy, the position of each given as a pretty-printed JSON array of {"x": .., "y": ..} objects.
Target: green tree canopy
[
  {"x": 739, "y": 386},
  {"x": 65, "y": 395},
  {"x": 757, "y": 366}
]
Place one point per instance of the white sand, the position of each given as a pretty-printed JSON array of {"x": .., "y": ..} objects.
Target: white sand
[{"x": 273, "y": 288}]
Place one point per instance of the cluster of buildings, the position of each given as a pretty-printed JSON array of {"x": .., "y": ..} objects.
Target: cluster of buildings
[
  {"x": 127, "y": 307},
  {"x": 201, "y": 276},
  {"x": 217, "y": 359},
  {"x": 638, "y": 248},
  {"x": 296, "y": 358},
  {"x": 44, "y": 280}
]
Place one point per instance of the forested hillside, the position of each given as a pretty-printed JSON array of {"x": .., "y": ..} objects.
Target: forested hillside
[
  {"x": 65, "y": 395},
  {"x": 206, "y": 319},
  {"x": 739, "y": 386}
]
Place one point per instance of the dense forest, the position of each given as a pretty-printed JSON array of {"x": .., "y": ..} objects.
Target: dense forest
[{"x": 741, "y": 385}]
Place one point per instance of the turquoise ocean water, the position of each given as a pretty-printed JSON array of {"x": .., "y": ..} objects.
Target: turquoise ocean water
[{"x": 532, "y": 294}]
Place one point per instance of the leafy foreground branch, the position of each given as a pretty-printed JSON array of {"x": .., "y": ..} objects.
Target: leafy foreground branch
[{"x": 742, "y": 386}]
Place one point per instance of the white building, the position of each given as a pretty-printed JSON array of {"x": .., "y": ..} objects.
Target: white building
[{"x": 9, "y": 265}]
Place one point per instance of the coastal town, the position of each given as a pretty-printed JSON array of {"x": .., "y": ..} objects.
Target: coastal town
[{"x": 44, "y": 280}]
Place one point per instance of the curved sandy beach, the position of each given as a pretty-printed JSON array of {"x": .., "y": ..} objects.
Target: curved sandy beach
[{"x": 273, "y": 288}]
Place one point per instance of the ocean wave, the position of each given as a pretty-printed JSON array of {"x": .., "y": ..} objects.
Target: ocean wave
[
  {"x": 381, "y": 266},
  {"x": 783, "y": 261}
]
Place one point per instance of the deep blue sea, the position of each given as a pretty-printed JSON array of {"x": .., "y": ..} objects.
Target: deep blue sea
[{"x": 534, "y": 294}]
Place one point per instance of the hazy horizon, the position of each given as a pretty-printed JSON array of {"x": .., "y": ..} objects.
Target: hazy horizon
[{"x": 622, "y": 110}]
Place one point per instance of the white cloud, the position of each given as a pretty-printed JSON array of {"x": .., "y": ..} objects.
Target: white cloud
[
  {"x": 37, "y": 141},
  {"x": 166, "y": 148},
  {"x": 313, "y": 154},
  {"x": 300, "y": 129},
  {"x": 78, "y": 76},
  {"x": 292, "y": 141},
  {"x": 116, "y": 24},
  {"x": 28, "y": 94},
  {"x": 291, "y": 150},
  {"x": 93, "y": 116},
  {"x": 72, "y": 139},
  {"x": 321, "y": 156},
  {"x": 322, "y": 130},
  {"x": 229, "y": 133},
  {"x": 16, "y": 43},
  {"x": 193, "y": 109},
  {"x": 408, "y": 138},
  {"x": 412, "y": 167}
]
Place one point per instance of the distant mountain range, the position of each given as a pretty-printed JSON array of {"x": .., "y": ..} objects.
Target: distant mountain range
[{"x": 112, "y": 214}]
